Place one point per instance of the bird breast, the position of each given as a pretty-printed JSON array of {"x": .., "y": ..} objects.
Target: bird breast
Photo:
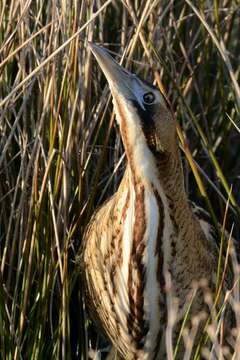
[{"x": 132, "y": 233}]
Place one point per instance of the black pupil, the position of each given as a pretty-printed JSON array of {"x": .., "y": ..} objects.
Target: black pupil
[{"x": 148, "y": 97}]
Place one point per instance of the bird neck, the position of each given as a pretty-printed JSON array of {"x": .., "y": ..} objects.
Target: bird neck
[
  {"x": 162, "y": 172},
  {"x": 163, "y": 178},
  {"x": 171, "y": 178}
]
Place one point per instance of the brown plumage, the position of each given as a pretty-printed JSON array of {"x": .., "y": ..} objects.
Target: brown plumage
[{"x": 147, "y": 229}]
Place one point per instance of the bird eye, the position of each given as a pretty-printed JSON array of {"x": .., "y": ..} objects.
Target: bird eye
[{"x": 149, "y": 98}]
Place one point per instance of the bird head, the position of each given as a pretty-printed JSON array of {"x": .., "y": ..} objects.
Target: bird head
[{"x": 146, "y": 122}]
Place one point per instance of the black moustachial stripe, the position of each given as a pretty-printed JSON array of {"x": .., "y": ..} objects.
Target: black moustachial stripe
[
  {"x": 148, "y": 125},
  {"x": 145, "y": 114}
]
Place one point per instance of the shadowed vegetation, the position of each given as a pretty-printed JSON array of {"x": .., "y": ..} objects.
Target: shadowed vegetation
[{"x": 61, "y": 155}]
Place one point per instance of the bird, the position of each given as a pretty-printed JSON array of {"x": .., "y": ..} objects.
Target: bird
[{"x": 147, "y": 231}]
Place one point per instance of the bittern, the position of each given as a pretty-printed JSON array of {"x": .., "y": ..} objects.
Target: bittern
[{"x": 147, "y": 230}]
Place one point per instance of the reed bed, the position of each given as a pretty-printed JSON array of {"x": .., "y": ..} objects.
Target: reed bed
[{"x": 61, "y": 155}]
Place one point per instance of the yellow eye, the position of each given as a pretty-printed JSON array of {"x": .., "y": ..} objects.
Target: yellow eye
[{"x": 149, "y": 98}]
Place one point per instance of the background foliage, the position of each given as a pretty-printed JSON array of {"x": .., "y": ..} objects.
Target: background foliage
[{"x": 60, "y": 151}]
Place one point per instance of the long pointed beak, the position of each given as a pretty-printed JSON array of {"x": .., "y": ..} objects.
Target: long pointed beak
[{"x": 118, "y": 78}]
